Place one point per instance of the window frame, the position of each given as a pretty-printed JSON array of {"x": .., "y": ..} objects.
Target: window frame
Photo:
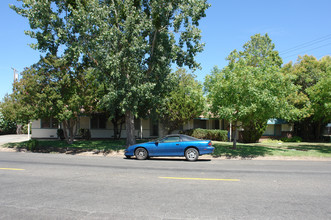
[
  {"x": 52, "y": 123},
  {"x": 100, "y": 120}
]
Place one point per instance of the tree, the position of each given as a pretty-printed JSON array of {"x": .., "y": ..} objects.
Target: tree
[
  {"x": 56, "y": 85},
  {"x": 184, "y": 103},
  {"x": 251, "y": 89},
  {"x": 133, "y": 43},
  {"x": 312, "y": 99},
  {"x": 320, "y": 96},
  {"x": 7, "y": 126},
  {"x": 47, "y": 89}
]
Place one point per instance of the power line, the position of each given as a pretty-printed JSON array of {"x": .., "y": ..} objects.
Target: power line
[
  {"x": 308, "y": 50},
  {"x": 306, "y": 44}
]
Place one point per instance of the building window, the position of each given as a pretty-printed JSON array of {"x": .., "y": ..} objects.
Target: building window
[
  {"x": 154, "y": 127},
  {"x": 216, "y": 124},
  {"x": 49, "y": 123},
  {"x": 137, "y": 123},
  {"x": 198, "y": 123},
  {"x": 98, "y": 122}
]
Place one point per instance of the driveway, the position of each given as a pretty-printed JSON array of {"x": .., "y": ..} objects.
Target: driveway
[{"x": 12, "y": 138}]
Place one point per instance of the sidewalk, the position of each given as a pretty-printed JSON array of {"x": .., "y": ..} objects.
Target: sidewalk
[{"x": 12, "y": 138}]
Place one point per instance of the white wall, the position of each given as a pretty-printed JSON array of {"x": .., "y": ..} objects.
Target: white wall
[
  {"x": 38, "y": 132},
  {"x": 270, "y": 130}
]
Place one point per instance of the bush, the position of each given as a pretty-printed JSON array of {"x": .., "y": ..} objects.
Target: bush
[
  {"x": 60, "y": 133},
  {"x": 32, "y": 145},
  {"x": 85, "y": 133},
  {"x": 7, "y": 126},
  {"x": 215, "y": 135},
  {"x": 292, "y": 139}
]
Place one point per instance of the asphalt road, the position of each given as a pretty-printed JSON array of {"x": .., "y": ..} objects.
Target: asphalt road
[{"x": 50, "y": 186}]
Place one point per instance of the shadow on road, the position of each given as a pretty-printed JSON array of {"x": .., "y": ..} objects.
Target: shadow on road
[{"x": 171, "y": 159}]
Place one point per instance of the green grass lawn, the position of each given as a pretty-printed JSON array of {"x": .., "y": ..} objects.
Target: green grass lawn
[
  {"x": 222, "y": 149},
  {"x": 273, "y": 148}
]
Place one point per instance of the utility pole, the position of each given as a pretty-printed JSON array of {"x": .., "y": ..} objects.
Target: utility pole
[{"x": 15, "y": 74}]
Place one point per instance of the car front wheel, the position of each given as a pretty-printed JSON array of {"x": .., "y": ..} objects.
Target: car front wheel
[
  {"x": 141, "y": 153},
  {"x": 191, "y": 154}
]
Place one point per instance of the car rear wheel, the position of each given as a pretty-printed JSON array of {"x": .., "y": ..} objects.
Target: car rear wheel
[
  {"x": 141, "y": 153},
  {"x": 191, "y": 154}
]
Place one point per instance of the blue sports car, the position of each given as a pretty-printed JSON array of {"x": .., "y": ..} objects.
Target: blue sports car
[{"x": 178, "y": 145}]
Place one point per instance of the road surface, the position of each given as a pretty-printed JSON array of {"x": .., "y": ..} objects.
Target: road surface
[{"x": 57, "y": 186}]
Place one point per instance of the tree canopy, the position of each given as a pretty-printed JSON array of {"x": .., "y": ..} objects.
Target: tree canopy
[
  {"x": 251, "y": 89},
  {"x": 184, "y": 103},
  {"x": 51, "y": 89},
  {"x": 132, "y": 45},
  {"x": 312, "y": 99}
]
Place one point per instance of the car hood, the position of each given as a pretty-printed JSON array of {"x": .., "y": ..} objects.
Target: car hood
[{"x": 142, "y": 144}]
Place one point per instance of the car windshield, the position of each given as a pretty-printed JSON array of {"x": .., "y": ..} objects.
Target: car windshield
[{"x": 176, "y": 138}]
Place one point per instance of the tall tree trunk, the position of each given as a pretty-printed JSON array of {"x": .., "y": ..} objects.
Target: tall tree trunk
[
  {"x": 68, "y": 125},
  {"x": 65, "y": 131},
  {"x": 71, "y": 130},
  {"x": 115, "y": 123},
  {"x": 129, "y": 122},
  {"x": 235, "y": 135},
  {"x": 318, "y": 130}
]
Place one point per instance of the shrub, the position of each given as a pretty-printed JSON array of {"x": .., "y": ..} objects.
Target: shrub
[
  {"x": 60, "y": 133},
  {"x": 85, "y": 133},
  {"x": 32, "y": 145},
  {"x": 215, "y": 135},
  {"x": 292, "y": 139},
  {"x": 7, "y": 126}
]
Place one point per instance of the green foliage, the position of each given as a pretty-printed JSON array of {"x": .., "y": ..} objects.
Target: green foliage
[
  {"x": 183, "y": 103},
  {"x": 85, "y": 133},
  {"x": 32, "y": 145},
  {"x": 251, "y": 89},
  {"x": 51, "y": 88},
  {"x": 60, "y": 133},
  {"x": 292, "y": 139},
  {"x": 320, "y": 97},
  {"x": 253, "y": 130},
  {"x": 132, "y": 45},
  {"x": 6, "y": 125},
  {"x": 215, "y": 135},
  {"x": 58, "y": 85},
  {"x": 313, "y": 98}
]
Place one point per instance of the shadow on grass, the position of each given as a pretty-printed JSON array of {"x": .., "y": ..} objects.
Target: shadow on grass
[
  {"x": 242, "y": 151},
  {"x": 319, "y": 148},
  {"x": 56, "y": 146}
]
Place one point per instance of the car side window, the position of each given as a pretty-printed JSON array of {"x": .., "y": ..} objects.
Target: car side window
[{"x": 170, "y": 139}]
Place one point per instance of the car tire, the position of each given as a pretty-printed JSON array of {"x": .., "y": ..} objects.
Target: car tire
[
  {"x": 141, "y": 153},
  {"x": 191, "y": 154}
]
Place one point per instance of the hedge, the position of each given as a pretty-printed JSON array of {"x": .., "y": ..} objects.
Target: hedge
[{"x": 215, "y": 135}]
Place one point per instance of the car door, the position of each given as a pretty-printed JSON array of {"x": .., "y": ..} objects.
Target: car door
[{"x": 169, "y": 146}]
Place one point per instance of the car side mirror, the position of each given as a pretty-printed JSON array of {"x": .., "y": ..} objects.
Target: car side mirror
[{"x": 156, "y": 143}]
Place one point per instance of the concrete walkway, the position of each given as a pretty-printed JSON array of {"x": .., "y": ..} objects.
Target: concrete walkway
[{"x": 13, "y": 138}]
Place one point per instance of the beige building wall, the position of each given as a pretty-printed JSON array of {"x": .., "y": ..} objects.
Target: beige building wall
[
  {"x": 38, "y": 132},
  {"x": 270, "y": 130}
]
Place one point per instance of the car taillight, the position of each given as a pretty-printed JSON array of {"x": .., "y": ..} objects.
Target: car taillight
[{"x": 209, "y": 144}]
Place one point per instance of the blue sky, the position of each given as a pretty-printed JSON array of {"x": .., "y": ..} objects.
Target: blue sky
[{"x": 303, "y": 25}]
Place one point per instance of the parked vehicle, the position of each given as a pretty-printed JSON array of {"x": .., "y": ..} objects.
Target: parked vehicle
[{"x": 178, "y": 145}]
